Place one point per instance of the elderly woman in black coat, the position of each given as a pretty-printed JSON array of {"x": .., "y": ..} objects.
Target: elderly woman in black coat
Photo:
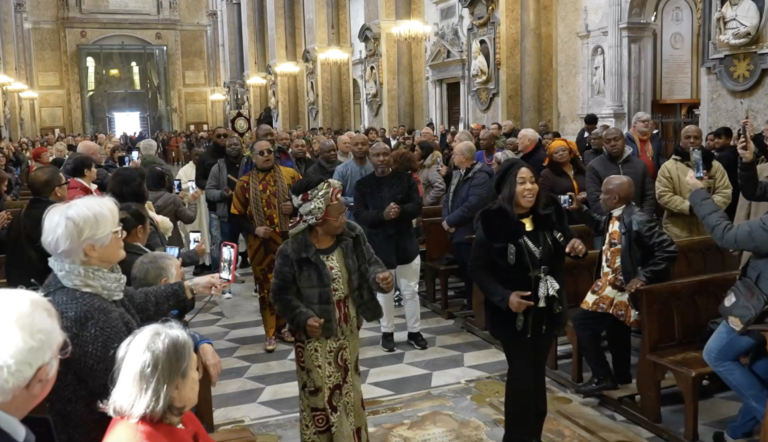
[
  {"x": 518, "y": 261},
  {"x": 325, "y": 283},
  {"x": 85, "y": 240}
]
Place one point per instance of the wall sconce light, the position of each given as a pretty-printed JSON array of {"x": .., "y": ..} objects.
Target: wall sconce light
[
  {"x": 334, "y": 56},
  {"x": 256, "y": 81},
  {"x": 217, "y": 97},
  {"x": 287, "y": 69}
]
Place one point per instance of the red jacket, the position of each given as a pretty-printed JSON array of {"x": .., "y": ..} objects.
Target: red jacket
[
  {"x": 122, "y": 430},
  {"x": 77, "y": 190}
]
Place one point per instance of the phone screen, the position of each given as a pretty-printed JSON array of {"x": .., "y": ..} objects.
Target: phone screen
[
  {"x": 228, "y": 260},
  {"x": 173, "y": 251},
  {"x": 125, "y": 161},
  {"x": 177, "y": 186},
  {"x": 194, "y": 238},
  {"x": 698, "y": 164},
  {"x": 135, "y": 155},
  {"x": 192, "y": 186}
]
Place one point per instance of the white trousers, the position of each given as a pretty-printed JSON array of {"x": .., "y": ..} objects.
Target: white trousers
[{"x": 407, "y": 279}]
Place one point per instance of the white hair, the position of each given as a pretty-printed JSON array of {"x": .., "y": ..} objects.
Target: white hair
[
  {"x": 59, "y": 147},
  {"x": 31, "y": 335},
  {"x": 349, "y": 134},
  {"x": 149, "y": 363},
  {"x": 68, "y": 228},
  {"x": 148, "y": 147},
  {"x": 640, "y": 116},
  {"x": 466, "y": 149},
  {"x": 463, "y": 135},
  {"x": 150, "y": 269},
  {"x": 528, "y": 135},
  {"x": 503, "y": 155}
]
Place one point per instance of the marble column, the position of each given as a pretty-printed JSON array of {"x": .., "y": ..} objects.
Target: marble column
[
  {"x": 614, "y": 96},
  {"x": 234, "y": 51},
  {"x": 637, "y": 46},
  {"x": 530, "y": 59}
]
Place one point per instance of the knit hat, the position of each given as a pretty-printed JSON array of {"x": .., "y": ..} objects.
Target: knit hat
[{"x": 508, "y": 170}]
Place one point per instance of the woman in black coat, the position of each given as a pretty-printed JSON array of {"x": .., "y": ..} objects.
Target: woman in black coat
[
  {"x": 564, "y": 174},
  {"x": 518, "y": 260}
]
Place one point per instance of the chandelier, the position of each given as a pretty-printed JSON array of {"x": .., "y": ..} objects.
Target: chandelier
[
  {"x": 5, "y": 81},
  {"x": 28, "y": 95},
  {"x": 256, "y": 81},
  {"x": 411, "y": 31},
  {"x": 334, "y": 56},
  {"x": 287, "y": 69},
  {"x": 217, "y": 97},
  {"x": 17, "y": 87}
]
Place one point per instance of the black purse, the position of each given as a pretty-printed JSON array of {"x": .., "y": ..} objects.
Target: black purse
[{"x": 744, "y": 305}]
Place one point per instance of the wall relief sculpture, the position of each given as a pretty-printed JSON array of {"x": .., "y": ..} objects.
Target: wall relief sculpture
[
  {"x": 598, "y": 72},
  {"x": 272, "y": 90},
  {"x": 369, "y": 35},
  {"x": 448, "y": 43},
  {"x": 737, "y": 50},
  {"x": 310, "y": 60},
  {"x": 482, "y": 37}
]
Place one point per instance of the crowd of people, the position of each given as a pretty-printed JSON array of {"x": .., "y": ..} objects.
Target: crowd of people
[{"x": 330, "y": 224}]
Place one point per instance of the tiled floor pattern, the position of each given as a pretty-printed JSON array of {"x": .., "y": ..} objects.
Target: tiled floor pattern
[{"x": 257, "y": 386}]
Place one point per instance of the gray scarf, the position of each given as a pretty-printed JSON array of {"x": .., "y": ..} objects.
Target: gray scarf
[{"x": 109, "y": 284}]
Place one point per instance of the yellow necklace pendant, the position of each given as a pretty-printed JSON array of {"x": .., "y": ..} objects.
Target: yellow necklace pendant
[{"x": 528, "y": 223}]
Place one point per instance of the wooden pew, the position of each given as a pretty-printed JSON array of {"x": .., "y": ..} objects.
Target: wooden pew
[
  {"x": 436, "y": 265},
  {"x": 432, "y": 212},
  {"x": 675, "y": 315},
  {"x": 204, "y": 408},
  {"x": 585, "y": 234},
  {"x": 3, "y": 279},
  {"x": 16, "y": 204}
]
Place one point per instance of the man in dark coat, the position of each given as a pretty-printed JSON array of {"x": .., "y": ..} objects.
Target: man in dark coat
[
  {"x": 469, "y": 191},
  {"x": 582, "y": 139},
  {"x": 618, "y": 160},
  {"x": 327, "y": 162},
  {"x": 727, "y": 155},
  {"x": 26, "y": 262},
  {"x": 533, "y": 152},
  {"x": 641, "y": 253}
]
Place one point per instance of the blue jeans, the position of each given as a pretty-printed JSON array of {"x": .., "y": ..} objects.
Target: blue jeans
[
  {"x": 722, "y": 353},
  {"x": 215, "y": 229}
]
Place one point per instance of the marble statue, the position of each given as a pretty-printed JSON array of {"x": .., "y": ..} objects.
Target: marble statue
[
  {"x": 311, "y": 96},
  {"x": 737, "y": 22},
  {"x": 246, "y": 104},
  {"x": 598, "y": 73},
  {"x": 7, "y": 116},
  {"x": 479, "y": 70},
  {"x": 371, "y": 83},
  {"x": 273, "y": 101}
]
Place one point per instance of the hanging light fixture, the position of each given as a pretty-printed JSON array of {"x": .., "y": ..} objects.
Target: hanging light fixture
[
  {"x": 287, "y": 69},
  {"x": 18, "y": 87},
  {"x": 256, "y": 81},
  {"x": 217, "y": 97},
  {"x": 28, "y": 95},
  {"x": 411, "y": 31},
  {"x": 334, "y": 56},
  {"x": 5, "y": 81}
]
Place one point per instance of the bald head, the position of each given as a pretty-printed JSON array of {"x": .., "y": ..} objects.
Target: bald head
[
  {"x": 283, "y": 139},
  {"x": 344, "y": 144},
  {"x": 264, "y": 132},
  {"x": 617, "y": 191},
  {"x": 691, "y": 138},
  {"x": 328, "y": 151},
  {"x": 527, "y": 139},
  {"x": 89, "y": 149}
]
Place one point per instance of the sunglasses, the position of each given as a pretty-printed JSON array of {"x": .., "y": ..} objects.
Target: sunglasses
[
  {"x": 265, "y": 153},
  {"x": 220, "y": 136}
]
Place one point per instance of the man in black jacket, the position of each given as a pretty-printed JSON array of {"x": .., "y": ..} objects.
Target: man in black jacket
[
  {"x": 582, "y": 139},
  {"x": 637, "y": 252},
  {"x": 532, "y": 150},
  {"x": 327, "y": 162},
  {"x": 26, "y": 260},
  {"x": 618, "y": 160},
  {"x": 386, "y": 203},
  {"x": 727, "y": 155}
]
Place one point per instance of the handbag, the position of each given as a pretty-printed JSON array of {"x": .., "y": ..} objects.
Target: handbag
[{"x": 744, "y": 304}]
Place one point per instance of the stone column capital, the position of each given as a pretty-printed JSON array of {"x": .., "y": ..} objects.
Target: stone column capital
[
  {"x": 213, "y": 14},
  {"x": 20, "y": 6}
]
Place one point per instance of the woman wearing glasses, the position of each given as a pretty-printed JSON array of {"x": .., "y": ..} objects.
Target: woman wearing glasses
[
  {"x": 85, "y": 240},
  {"x": 325, "y": 284}
]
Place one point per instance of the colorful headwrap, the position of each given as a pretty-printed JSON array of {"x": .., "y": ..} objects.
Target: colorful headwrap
[
  {"x": 313, "y": 204},
  {"x": 573, "y": 150}
]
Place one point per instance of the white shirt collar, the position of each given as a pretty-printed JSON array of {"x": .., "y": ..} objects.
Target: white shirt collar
[
  {"x": 91, "y": 186},
  {"x": 12, "y": 426},
  {"x": 618, "y": 211}
]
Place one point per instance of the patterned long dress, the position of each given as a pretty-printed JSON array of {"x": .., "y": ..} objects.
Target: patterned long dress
[{"x": 331, "y": 399}]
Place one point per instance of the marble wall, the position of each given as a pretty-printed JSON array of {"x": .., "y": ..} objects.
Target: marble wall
[
  {"x": 568, "y": 65},
  {"x": 720, "y": 107}
]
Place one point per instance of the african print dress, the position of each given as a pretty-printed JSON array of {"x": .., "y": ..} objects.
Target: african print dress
[{"x": 330, "y": 395}]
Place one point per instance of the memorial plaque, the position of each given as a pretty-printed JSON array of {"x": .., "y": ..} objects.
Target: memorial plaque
[
  {"x": 676, "y": 46},
  {"x": 48, "y": 79},
  {"x": 51, "y": 117},
  {"x": 197, "y": 113},
  {"x": 140, "y": 7},
  {"x": 194, "y": 77}
]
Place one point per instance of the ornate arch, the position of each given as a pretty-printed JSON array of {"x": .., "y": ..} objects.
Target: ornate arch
[{"x": 116, "y": 39}]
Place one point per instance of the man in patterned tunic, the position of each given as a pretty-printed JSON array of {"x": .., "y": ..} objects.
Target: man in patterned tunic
[
  {"x": 636, "y": 251},
  {"x": 262, "y": 205}
]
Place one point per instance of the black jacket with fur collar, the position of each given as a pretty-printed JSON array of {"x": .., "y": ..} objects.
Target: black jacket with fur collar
[
  {"x": 301, "y": 285},
  {"x": 499, "y": 265}
]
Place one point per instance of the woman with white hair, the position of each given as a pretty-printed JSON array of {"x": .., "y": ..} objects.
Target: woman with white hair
[
  {"x": 155, "y": 387},
  {"x": 84, "y": 238}
]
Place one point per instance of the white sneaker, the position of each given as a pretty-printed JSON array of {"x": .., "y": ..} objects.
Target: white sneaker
[{"x": 227, "y": 295}]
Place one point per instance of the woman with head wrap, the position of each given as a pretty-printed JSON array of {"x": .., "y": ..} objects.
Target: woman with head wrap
[
  {"x": 565, "y": 173},
  {"x": 325, "y": 282}
]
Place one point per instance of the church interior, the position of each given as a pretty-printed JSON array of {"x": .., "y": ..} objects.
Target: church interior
[{"x": 76, "y": 68}]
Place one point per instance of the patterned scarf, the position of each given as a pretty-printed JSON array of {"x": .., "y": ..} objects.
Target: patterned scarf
[
  {"x": 109, "y": 284},
  {"x": 283, "y": 195},
  {"x": 313, "y": 204},
  {"x": 642, "y": 142}
]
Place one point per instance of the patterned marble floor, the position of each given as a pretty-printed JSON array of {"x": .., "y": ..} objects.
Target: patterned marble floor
[{"x": 259, "y": 387}]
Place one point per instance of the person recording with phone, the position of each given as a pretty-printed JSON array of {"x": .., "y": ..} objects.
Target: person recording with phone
[
  {"x": 564, "y": 174},
  {"x": 672, "y": 189},
  {"x": 170, "y": 205},
  {"x": 725, "y": 349}
]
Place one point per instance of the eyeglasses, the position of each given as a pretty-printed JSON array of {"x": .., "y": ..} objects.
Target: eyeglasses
[
  {"x": 65, "y": 183},
  {"x": 221, "y": 136},
  {"x": 265, "y": 153},
  {"x": 343, "y": 215},
  {"x": 66, "y": 348},
  {"x": 119, "y": 231}
]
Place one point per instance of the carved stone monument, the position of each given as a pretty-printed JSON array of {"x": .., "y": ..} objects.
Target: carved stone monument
[
  {"x": 482, "y": 60},
  {"x": 598, "y": 73},
  {"x": 677, "y": 40},
  {"x": 310, "y": 60},
  {"x": 737, "y": 22},
  {"x": 369, "y": 35}
]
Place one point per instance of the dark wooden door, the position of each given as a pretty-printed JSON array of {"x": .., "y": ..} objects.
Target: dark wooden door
[{"x": 453, "y": 98}]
